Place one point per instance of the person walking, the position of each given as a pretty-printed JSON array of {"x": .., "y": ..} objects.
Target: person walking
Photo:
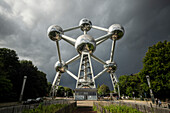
[
  {"x": 156, "y": 102},
  {"x": 159, "y": 102}
]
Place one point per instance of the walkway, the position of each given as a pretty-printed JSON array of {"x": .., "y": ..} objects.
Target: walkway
[{"x": 84, "y": 107}]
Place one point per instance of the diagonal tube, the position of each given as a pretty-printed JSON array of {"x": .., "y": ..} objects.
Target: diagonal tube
[
  {"x": 73, "y": 59},
  {"x": 72, "y": 28},
  {"x": 99, "y": 74},
  {"x": 70, "y": 40},
  {"x": 99, "y": 42},
  {"x": 56, "y": 76},
  {"x": 91, "y": 68},
  {"x": 112, "y": 50},
  {"x": 100, "y": 28},
  {"x": 71, "y": 74},
  {"x": 58, "y": 49},
  {"x": 113, "y": 76},
  {"x": 103, "y": 37},
  {"x": 99, "y": 60}
]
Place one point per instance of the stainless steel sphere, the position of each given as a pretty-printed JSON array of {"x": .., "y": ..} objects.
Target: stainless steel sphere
[
  {"x": 111, "y": 66},
  {"x": 117, "y": 30},
  {"x": 60, "y": 66},
  {"x": 85, "y": 24},
  {"x": 54, "y": 32},
  {"x": 85, "y": 43}
]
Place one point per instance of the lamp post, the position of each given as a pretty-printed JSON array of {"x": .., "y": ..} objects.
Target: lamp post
[
  {"x": 134, "y": 95},
  {"x": 23, "y": 86},
  {"x": 151, "y": 93}
]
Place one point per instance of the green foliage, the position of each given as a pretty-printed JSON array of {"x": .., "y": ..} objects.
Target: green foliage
[
  {"x": 68, "y": 91},
  {"x": 157, "y": 66},
  {"x": 9, "y": 70},
  {"x": 12, "y": 74},
  {"x": 103, "y": 89},
  {"x": 49, "y": 87},
  {"x": 36, "y": 84},
  {"x": 116, "y": 109},
  {"x": 129, "y": 84},
  {"x": 60, "y": 91},
  {"x": 46, "y": 109},
  {"x": 5, "y": 88},
  {"x": 94, "y": 108},
  {"x": 64, "y": 91},
  {"x": 120, "y": 109}
]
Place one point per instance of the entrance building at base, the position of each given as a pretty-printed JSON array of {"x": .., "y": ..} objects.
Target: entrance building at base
[{"x": 85, "y": 94}]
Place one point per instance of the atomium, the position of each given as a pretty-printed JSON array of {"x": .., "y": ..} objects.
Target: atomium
[
  {"x": 110, "y": 66},
  {"x": 85, "y": 45},
  {"x": 117, "y": 30},
  {"x": 54, "y": 32},
  {"x": 60, "y": 67},
  {"x": 85, "y": 24}
]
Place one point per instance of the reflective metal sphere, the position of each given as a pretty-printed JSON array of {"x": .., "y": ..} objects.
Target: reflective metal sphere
[
  {"x": 85, "y": 24},
  {"x": 111, "y": 66},
  {"x": 54, "y": 32},
  {"x": 85, "y": 43},
  {"x": 60, "y": 66},
  {"x": 117, "y": 30}
]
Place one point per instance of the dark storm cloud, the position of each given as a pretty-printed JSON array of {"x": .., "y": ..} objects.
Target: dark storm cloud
[{"x": 24, "y": 25}]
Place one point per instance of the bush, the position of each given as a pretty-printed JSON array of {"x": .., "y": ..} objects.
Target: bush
[
  {"x": 94, "y": 108},
  {"x": 116, "y": 109},
  {"x": 46, "y": 109}
]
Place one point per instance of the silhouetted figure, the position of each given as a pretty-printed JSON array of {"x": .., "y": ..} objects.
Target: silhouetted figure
[
  {"x": 159, "y": 102},
  {"x": 156, "y": 101}
]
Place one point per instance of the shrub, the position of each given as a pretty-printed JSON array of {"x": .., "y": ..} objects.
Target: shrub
[
  {"x": 46, "y": 109},
  {"x": 116, "y": 109}
]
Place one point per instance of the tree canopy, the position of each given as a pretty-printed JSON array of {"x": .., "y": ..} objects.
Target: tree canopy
[
  {"x": 103, "y": 89},
  {"x": 129, "y": 84},
  {"x": 64, "y": 91},
  {"x": 156, "y": 64},
  {"x": 12, "y": 74}
]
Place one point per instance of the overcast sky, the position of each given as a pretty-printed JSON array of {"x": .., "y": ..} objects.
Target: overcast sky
[{"x": 24, "y": 24}]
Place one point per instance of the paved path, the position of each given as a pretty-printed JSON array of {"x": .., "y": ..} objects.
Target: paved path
[{"x": 84, "y": 107}]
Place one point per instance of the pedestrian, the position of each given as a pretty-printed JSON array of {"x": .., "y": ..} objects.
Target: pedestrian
[
  {"x": 156, "y": 101},
  {"x": 159, "y": 102}
]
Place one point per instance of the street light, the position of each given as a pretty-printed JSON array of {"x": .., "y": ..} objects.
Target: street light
[
  {"x": 23, "y": 86},
  {"x": 151, "y": 93},
  {"x": 134, "y": 95}
]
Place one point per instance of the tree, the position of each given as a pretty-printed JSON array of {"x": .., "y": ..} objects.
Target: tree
[
  {"x": 9, "y": 68},
  {"x": 12, "y": 72},
  {"x": 156, "y": 64},
  {"x": 49, "y": 88},
  {"x": 5, "y": 89},
  {"x": 123, "y": 84},
  {"x": 129, "y": 84},
  {"x": 103, "y": 89},
  {"x": 60, "y": 91},
  {"x": 68, "y": 91},
  {"x": 36, "y": 84}
]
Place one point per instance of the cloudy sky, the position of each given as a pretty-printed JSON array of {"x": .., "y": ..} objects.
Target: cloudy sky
[{"x": 24, "y": 24}]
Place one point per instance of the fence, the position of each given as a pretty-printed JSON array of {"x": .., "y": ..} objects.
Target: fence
[
  {"x": 140, "y": 107},
  {"x": 20, "y": 108}
]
